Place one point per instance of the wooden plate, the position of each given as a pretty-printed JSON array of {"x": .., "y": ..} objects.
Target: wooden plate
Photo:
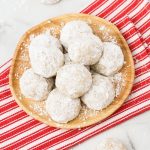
[{"x": 102, "y": 28}]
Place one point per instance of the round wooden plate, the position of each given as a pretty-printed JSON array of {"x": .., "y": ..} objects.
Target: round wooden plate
[{"x": 102, "y": 28}]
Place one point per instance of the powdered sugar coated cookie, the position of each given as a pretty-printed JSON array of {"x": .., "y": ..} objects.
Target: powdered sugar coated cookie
[
  {"x": 62, "y": 108},
  {"x": 45, "y": 40},
  {"x": 34, "y": 86},
  {"x": 101, "y": 93},
  {"x": 45, "y": 58},
  {"x": 72, "y": 30},
  {"x": 111, "y": 144},
  {"x": 86, "y": 49},
  {"x": 49, "y": 1},
  {"x": 111, "y": 61},
  {"x": 73, "y": 80}
]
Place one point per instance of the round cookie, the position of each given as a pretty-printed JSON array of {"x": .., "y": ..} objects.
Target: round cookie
[
  {"x": 73, "y": 80},
  {"x": 45, "y": 59},
  {"x": 49, "y": 1},
  {"x": 45, "y": 40},
  {"x": 72, "y": 30},
  {"x": 101, "y": 93},
  {"x": 62, "y": 108},
  {"x": 34, "y": 86},
  {"x": 111, "y": 144},
  {"x": 86, "y": 49},
  {"x": 111, "y": 61}
]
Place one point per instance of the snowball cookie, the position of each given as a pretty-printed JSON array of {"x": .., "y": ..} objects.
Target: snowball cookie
[
  {"x": 111, "y": 144},
  {"x": 45, "y": 60},
  {"x": 62, "y": 108},
  {"x": 45, "y": 40},
  {"x": 101, "y": 94},
  {"x": 111, "y": 61},
  {"x": 86, "y": 49},
  {"x": 73, "y": 80},
  {"x": 34, "y": 86},
  {"x": 72, "y": 30},
  {"x": 49, "y": 1}
]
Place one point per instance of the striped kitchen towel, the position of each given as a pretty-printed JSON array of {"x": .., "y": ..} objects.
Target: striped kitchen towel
[{"x": 20, "y": 131}]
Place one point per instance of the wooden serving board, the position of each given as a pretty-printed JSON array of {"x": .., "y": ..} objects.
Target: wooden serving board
[{"x": 102, "y": 28}]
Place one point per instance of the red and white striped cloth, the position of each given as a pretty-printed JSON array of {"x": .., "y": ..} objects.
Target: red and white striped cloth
[{"x": 20, "y": 131}]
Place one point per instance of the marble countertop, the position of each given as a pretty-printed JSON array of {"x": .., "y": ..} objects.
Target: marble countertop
[{"x": 16, "y": 16}]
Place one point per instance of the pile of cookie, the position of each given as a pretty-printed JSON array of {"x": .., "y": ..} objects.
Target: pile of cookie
[{"x": 71, "y": 71}]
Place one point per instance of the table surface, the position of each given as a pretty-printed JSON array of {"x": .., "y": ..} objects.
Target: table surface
[{"x": 18, "y": 16}]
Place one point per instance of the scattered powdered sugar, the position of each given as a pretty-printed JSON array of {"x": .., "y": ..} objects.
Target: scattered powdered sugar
[
  {"x": 62, "y": 24},
  {"x": 32, "y": 36},
  {"x": 86, "y": 113},
  {"x": 16, "y": 75},
  {"x": 25, "y": 44},
  {"x": 23, "y": 50},
  {"x": 52, "y": 31},
  {"x": 106, "y": 35},
  {"x": 20, "y": 96},
  {"x": 119, "y": 82},
  {"x": 118, "y": 79},
  {"x": 101, "y": 28},
  {"x": 24, "y": 56},
  {"x": 38, "y": 109},
  {"x": 23, "y": 67},
  {"x": 108, "y": 38}
]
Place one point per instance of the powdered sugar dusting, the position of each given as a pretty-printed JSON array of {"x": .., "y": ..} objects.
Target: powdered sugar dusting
[
  {"x": 16, "y": 75},
  {"x": 111, "y": 61},
  {"x": 119, "y": 82},
  {"x": 86, "y": 114},
  {"x": 108, "y": 38},
  {"x": 38, "y": 109},
  {"x": 73, "y": 80},
  {"x": 24, "y": 56},
  {"x": 106, "y": 34},
  {"x": 101, "y": 28},
  {"x": 45, "y": 55},
  {"x": 62, "y": 108}
]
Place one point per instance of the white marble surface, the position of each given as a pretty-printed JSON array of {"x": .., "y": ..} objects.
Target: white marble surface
[{"x": 16, "y": 16}]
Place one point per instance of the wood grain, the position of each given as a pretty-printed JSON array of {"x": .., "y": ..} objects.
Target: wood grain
[{"x": 21, "y": 62}]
